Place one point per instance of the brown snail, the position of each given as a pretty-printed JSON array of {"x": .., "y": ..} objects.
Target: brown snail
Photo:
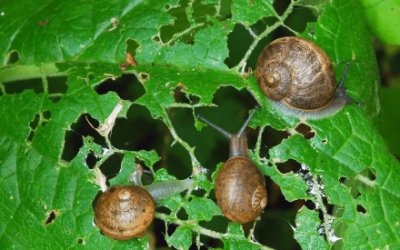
[
  {"x": 299, "y": 76},
  {"x": 125, "y": 212},
  {"x": 239, "y": 187}
]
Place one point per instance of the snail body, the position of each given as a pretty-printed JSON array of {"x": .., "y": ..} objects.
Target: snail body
[
  {"x": 299, "y": 75},
  {"x": 239, "y": 187},
  {"x": 126, "y": 212}
]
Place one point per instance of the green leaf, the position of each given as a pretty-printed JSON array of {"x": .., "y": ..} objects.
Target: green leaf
[
  {"x": 173, "y": 203},
  {"x": 383, "y": 17},
  {"x": 249, "y": 12},
  {"x": 181, "y": 238},
  {"x": 201, "y": 209},
  {"x": 305, "y": 233},
  {"x": 292, "y": 186},
  {"x": 236, "y": 238},
  {"x": 87, "y": 43}
]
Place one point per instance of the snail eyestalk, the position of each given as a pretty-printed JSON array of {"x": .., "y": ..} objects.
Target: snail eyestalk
[
  {"x": 246, "y": 123},
  {"x": 342, "y": 92},
  {"x": 344, "y": 75},
  {"x": 222, "y": 131}
]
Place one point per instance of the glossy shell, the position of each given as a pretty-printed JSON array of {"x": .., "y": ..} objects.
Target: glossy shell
[
  {"x": 240, "y": 190},
  {"x": 124, "y": 212},
  {"x": 296, "y": 72}
]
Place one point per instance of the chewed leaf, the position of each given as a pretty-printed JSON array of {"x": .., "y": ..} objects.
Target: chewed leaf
[{"x": 67, "y": 65}]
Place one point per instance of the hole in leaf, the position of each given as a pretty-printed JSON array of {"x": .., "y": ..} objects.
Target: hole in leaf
[
  {"x": 179, "y": 24},
  {"x": 111, "y": 167},
  {"x": 80, "y": 241},
  {"x": 39, "y": 119},
  {"x": 310, "y": 204},
  {"x": 329, "y": 207},
  {"x": 182, "y": 215},
  {"x": 30, "y": 136},
  {"x": 156, "y": 38},
  {"x": 237, "y": 50},
  {"x": 91, "y": 160},
  {"x": 271, "y": 138},
  {"x": 73, "y": 142},
  {"x": 159, "y": 233},
  {"x": 57, "y": 87},
  {"x": 12, "y": 57},
  {"x": 276, "y": 220},
  {"x": 201, "y": 12},
  {"x": 73, "y": 137},
  {"x": 281, "y": 6},
  {"x": 51, "y": 217},
  {"x": 210, "y": 243},
  {"x": 179, "y": 95},
  {"x": 305, "y": 130},
  {"x": 46, "y": 114},
  {"x": 131, "y": 46},
  {"x": 55, "y": 98},
  {"x": 35, "y": 122},
  {"x": 342, "y": 180},
  {"x": 262, "y": 24},
  {"x": 361, "y": 209},
  {"x": 288, "y": 166},
  {"x": 45, "y": 117},
  {"x": 299, "y": 18},
  {"x": 143, "y": 76},
  {"x": 177, "y": 156},
  {"x": 225, "y": 11},
  {"x": 369, "y": 173},
  {"x": 324, "y": 141},
  {"x": 127, "y": 87},
  {"x": 16, "y": 87},
  {"x": 138, "y": 131}
]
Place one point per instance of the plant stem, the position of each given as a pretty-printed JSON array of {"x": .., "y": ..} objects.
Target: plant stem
[{"x": 266, "y": 32}]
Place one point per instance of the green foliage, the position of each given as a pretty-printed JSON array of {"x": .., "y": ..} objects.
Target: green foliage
[
  {"x": 383, "y": 18},
  {"x": 56, "y": 55}
]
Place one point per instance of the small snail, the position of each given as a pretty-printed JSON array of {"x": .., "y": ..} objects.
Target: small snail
[
  {"x": 240, "y": 187},
  {"x": 125, "y": 212},
  {"x": 297, "y": 73}
]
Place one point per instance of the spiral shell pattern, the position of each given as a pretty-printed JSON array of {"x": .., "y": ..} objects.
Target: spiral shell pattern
[
  {"x": 124, "y": 212},
  {"x": 297, "y": 72},
  {"x": 240, "y": 190}
]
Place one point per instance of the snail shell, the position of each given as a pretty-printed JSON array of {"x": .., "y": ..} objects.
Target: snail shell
[
  {"x": 297, "y": 73},
  {"x": 124, "y": 212},
  {"x": 240, "y": 190},
  {"x": 239, "y": 187}
]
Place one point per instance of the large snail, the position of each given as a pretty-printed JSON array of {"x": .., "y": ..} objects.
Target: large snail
[
  {"x": 240, "y": 187},
  {"x": 125, "y": 212},
  {"x": 299, "y": 77}
]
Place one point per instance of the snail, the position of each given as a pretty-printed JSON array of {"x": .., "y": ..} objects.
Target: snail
[
  {"x": 299, "y": 77},
  {"x": 125, "y": 212},
  {"x": 239, "y": 187}
]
